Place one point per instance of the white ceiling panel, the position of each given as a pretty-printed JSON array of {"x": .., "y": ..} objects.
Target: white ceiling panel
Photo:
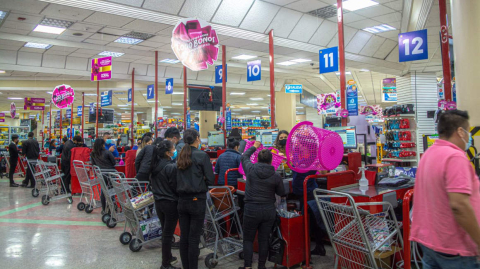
[
  {"x": 173, "y": 72},
  {"x": 19, "y": 25},
  {"x": 59, "y": 50},
  {"x": 259, "y": 16},
  {"x": 140, "y": 69},
  {"x": 306, "y": 5},
  {"x": 135, "y": 3},
  {"x": 119, "y": 45},
  {"x": 71, "y": 38},
  {"x": 53, "y": 61},
  {"x": 96, "y": 41},
  {"x": 348, "y": 34},
  {"x": 8, "y": 57},
  {"x": 14, "y": 31},
  {"x": 234, "y": 78},
  {"x": 164, "y": 6},
  {"x": 34, "y": 50},
  {"x": 385, "y": 49},
  {"x": 364, "y": 24},
  {"x": 75, "y": 63},
  {"x": 199, "y": 9},
  {"x": 205, "y": 76},
  {"x": 65, "y": 12},
  {"x": 348, "y": 18},
  {"x": 70, "y": 33},
  {"x": 29, "y": 58},
  {"x": 324, "y": 33},
  {"x": 358, "y": 42},
  {"x": 108, "y": 19},
  {"x": 192, "y": 75},
  {"x": 29, "y": 6},
  {"x": 26, "y": 18},
  {"x": 88, "y": 51},
  {"x": 103, "y": 37},
  {"x": 374, "y": 11},
  {"x": 284, "y": 22},
  {"x": 119, "y": 67},
  {"x": 114, "y": 31},
  {"x": 393, "y": 56},
  {"x": 393, "y": 35},
  {"x": 43, "y": 35},
  {"x": 388, "y": 18},
  {"x": 396, "y": 5},
  {"x": 231, "y": 12},
  {"x": 82, "y": 55},
  {"x": 372, "y": 46},
  {"x": 145, "y": 26},
  {"x": 85, "y": 27},
  {"x": 280, "y": 2},
  {"x": 305, "y": 28}
]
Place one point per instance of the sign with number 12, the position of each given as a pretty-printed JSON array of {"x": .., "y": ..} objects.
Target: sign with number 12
[
  {"x": 328, "y": 60},
  {"x": 413, "y": 46},
  {"x": 219, "y": 73}
]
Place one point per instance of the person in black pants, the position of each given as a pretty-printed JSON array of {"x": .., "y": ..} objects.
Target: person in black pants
[
  {"x": 194, "y": 175},
  {"x": 13, "y": 151},
  {"x": 260, "y": 212},
  {"x": 65, "y": 160},
  {"x": 31, "y": 150},
  {"x": 164, "y": 189},
  {"x": 104, "y": 159}
]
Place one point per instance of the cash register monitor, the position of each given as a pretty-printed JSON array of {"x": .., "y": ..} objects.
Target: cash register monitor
[
  {"x": 348, "y": 135},
  {"x": 216, "y": 139},
  {"x": 88, "y": 142},
  {"x": 267, "y": 137}
]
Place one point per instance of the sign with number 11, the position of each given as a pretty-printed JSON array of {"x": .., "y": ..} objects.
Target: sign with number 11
[{"x": 328, "y": 60}]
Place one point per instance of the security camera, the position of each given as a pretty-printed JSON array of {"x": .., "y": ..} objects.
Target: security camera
[{"x": 312, "y": 64}]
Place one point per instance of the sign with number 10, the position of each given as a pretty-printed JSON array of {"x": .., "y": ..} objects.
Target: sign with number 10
[
  {"x": 254, "y": 70},
  {"x": 328, "y": 60},
  {"x": 219, "y": 74},
  {"x": 413, "y": 46}
]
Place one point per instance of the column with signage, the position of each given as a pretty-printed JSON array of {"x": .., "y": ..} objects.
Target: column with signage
[{"x": 285, "y": 102}]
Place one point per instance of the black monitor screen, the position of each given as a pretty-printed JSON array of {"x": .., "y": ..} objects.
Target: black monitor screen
[
  {"x": 200, "y": 98},
  {"x": 105, "y": 115}
]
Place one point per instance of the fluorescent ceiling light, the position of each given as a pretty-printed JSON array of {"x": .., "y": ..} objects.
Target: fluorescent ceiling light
[
  {"x": 37, "y": 45},
  {"x": 129, "y": 40},
  {"x": 364, "y": 70},
  {"x": 237, "y": 93},
  {"x": 177, "y": 93},
  {"x": 3, "y": 14},
  {"x": 301, "y": 60},
  {"x": 346, "y": 73},
  {"x": 50, "y": 92},
  {"x": 150, "y": 101},
  {"x": 256, "y": 99},
  {"x": 244, "y": 57},
  {"x": 252, "y": 104},
  {"x": 255, "y": 111},
  {"x": 122, "y": 105},
  {"x": 177, "y": 104},
  {"x": 352, "y": 5},
  {"x": 144, "y": 94},
  {"x": 175, "y": 113},
  {"x": 122, "y": 99},
  {"x": 269, "y": 95},
  {"x": 15, "y": 98},
  {"x": 90, "y": 94},
  {"x": 124, "y": 108},
  {"x": 245, "y": 107},
  {"x": 2, "y": 71},
  {"x": 379, "y": 29},
  {"x": 300, "y": 107},
  {"x": 140, "y": 112},
  {"x": 170, "y": 61},
  {"x": 287, "y": 63},
  {"x": 264, "y": 107},
  {"x": 49, "y": 29},
  {"x": 111, "y": 53}
]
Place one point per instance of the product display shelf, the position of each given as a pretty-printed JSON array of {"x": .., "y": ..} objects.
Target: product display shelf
[{"x": 411, "y": 128}]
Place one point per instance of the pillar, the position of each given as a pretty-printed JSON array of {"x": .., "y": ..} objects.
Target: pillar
[
  {"x": 207, "y": 120},
  {"x": 312, "y": 116},
  {"x": 465, "y": 21},
  {"x": 285, "y": 113}
]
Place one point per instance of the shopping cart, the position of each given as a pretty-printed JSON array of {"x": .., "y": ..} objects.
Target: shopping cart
[
  {"x": 360, "y": 239},
  {"x": 141, "y": 220},
  {"x": 18, "y": 169},
  {"x": 52, "y": 185},
  {"x": 223, "y": 232},
  {"x": 90, "y": 186},
  {"x": 40, "y": 186},
  {"x": 113, "y": 211}
]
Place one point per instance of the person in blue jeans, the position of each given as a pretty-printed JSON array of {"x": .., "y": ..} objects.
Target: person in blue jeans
[
  {"x": 231, "y": 158},
  {"x": 260, "y": 212}
]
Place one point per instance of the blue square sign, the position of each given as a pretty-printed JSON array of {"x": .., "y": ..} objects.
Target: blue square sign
[
  {"x": 254, "y": 70},
  {"x": 413, "y": 46},
  {"x": 293, "y": 88},
  {"x": 328, "y": 60},
  {"x": 169, "y": 86},
  {"x": 219, "y": 73},
  {"x": 151, "y": 91}
]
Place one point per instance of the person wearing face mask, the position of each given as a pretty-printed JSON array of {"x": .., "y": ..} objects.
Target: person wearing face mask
[
  {"x": 447, "y": 198},
  {"x": 13, "y": 152},
  {"x": 231, "y": 158},
  {"x": 173, "y": 134},
  {"x": 164, "y": 189},
  {"x": 280, "y": 146},
  {"x": 139, "y": 142},
  {"x": 109, "y": 145}
]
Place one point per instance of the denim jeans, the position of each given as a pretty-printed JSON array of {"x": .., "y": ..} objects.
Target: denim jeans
[
  {"x": 168, "y": 214},
  {"x": 437, "y": 260},
  {"x": 191, "y": 213},
  {"x": 257, "y": 217}
]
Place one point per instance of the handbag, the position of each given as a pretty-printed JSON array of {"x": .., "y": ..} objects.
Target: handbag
[{"x": 276, "y": 246}]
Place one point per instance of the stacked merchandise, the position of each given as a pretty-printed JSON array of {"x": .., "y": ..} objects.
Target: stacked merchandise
[{"x": 400, "y": 135}]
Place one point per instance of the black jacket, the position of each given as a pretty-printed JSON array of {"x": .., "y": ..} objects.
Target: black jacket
[
  {"x": 106, "y": 160},
  {"x": 179, "y": 146},
  {"x": 262, "y": 181},
  {"x": 164, "y": 181},
  {"x": 67, "y": 152},
  {"x": 194, "y": 181},
  {"x": 143, "y": 160},
  {"x": 31, "y": 149},
  {"x": 13, "y": 152}
]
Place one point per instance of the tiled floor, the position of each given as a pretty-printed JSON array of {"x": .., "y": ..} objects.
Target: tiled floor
[{"x": 60, "y": 236}]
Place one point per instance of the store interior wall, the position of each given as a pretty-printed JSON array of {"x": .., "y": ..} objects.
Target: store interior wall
[
  {"x": 285, "y": 112},
  {"x": 207, "y": 121}
]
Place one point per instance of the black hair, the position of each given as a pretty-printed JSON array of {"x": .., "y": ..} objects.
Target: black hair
[
  {"x": 140, "y": 139},
  {"x": 265, "y": 156},
  {"x": 160, "y": 152},
  {"x": 145, "y": 140},
  {"x": 14, "y": 136},
  {"x": 277, "y": 143},
  {"x": 172, "y": 132},
  {"x": 98, "y": 147},
  {"x": 450, "y": 121},
  {"x": 147, "y": 134},
  {"x": 232, "y": 143},
  {"x": 157, "y": 141},
  {"x": 185, "y": 156},
  {"x": 65, "y": 139},
  {"x": 127, "y": 148},
  {"x": 30, "y": 134},
  {"x": 78, "y": 138}
]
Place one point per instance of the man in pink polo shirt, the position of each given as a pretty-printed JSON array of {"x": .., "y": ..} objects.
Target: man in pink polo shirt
[{"x": 447, "y": 199}]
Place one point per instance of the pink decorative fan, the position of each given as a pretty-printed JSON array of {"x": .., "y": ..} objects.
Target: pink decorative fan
[{"x": 312, "y": 148}]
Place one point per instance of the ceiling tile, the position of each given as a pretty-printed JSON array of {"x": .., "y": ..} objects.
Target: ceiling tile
[
  {"x": 29, "y": 6},
  {"x": 8, "y": 57},
  {"x": 305, "y": 28},
  {"x": 119, "y": 45},
  {"x": 372, "y": 46},
  {"x": 393, "y": 56},
  {"x": 34, "y": 50},
  {"x": 135, "y": 3},
  {"x": 71, "y": 38},
  {"x": 26, "y": 18},
  {"x": 59, "y": 50},
  {"x": 140, "y": 69},
  {"x": 348, "y": 18},
  {"x": 53, "y": 61},
  {"x": 396, "y": 5},
  {"x": 164, "y": 6},
  {"x": 348, "y": 34},
  {"x": 280, "y": 2},
  {"x": 259, "y": 16},
  {"x": 43, "y": 35},
  {"x": 14, "y": 31},
  {"x": 393, "y": 35},
  {"x": 196, "y": 9},
  {"x": 85, "y": 27},
  {"x": 104, "y": 37},
  {"x": 96, "y": 41},
  {"x": 161, "y": 71},
  {"x": 29, "y": 58},
  {"x": 205, "y": 76},
  {"x": 19, "y": 25},
  {"x": 393, "y": 17},
  {"x": 385, "y": 49},
  {"x": 284, "y": 22},
  {"x": 66, "y": 12},
  {"x": 82, "y": 55},
  {"x": 72, "y": 32},
  {"x": 232, "y": 12},
  {"x": 363, "y": 24},
  {"x": 108, "y": 19},
  {"x": 358, "y": 42},
  {"x": 373, "y": 11},
  {"x": 324, "y": 33},
  {"x": 76, "y": 63},
  {"x": 119, "y": 67},
  {"x": 145, "y": 26},
  {"x": 173, "y": 72},
  {"x": 306, "y": 5}
]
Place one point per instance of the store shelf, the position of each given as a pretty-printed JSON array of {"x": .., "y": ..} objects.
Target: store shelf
[
  {"x": 399, "y": 160},
  {"x": 400, "y": 116},
  {"x": 411, "y": 130}
]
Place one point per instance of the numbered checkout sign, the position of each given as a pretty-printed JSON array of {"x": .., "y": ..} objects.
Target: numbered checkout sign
[
  {"x": 413, "y": 46},
  {"x": 328, "y": 60},
  {"x": 254, "y": 70},
  {"x": 219, "y": 74},
  {"x": 169, "y": 86},
  {"x": 151, "y": 91}
]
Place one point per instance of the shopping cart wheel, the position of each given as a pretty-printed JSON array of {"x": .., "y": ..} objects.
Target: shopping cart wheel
[
  {"x": 70, "y": 200},
  {"x": 241, "y": 255},
  {"x": 89, "y": 209},
  {"x": 135, "y": 245},
  {"x": 45, "y": 200},
  {"x": 81, "y": 206},
  {"x": 35, "y": 192},
  {"x": 105, "y": 218},
  {"x": 125, "y": 238},
  {"x": 111, "y": 223},
  {"x": 210, "y": 261}
]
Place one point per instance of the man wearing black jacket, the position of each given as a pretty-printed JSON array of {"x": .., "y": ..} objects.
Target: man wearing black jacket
[
  {"x": 31, "y": 150},
  {"x": 65, "y": 160},
  {"x": 13, "y": 151}
]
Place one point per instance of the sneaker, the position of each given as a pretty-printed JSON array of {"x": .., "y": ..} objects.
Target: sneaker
[
  {"x": 319, "y": 250},
  {"x": 14, "y": 185},
  {"x": 173, "y": 260},
  {"x": 169, "y": 267}
]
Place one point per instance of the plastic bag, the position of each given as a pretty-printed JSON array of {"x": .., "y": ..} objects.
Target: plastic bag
[{"x": 276, "y": 247}]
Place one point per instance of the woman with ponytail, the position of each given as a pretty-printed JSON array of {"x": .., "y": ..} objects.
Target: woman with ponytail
[
  {"x": 164, "y": 184},
  {"x": 194, "y": 175}
]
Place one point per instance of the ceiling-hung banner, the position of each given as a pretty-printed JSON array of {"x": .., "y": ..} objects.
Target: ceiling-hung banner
[
  {"x": 34, "y": 103},
  {"x": 101, "y": 68},
  {"x": 13, "y": 110},
  {"x": 327, "y": 103},
  {"x": 63, "y": 96},
  {"x": 195, "y": 43}
]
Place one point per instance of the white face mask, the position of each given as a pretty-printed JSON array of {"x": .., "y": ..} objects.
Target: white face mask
[{"x": 469, "y": 143}]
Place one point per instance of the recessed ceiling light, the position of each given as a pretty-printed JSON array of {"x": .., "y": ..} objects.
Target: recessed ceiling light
[
  {"x": 124, "y": 108},
  {"x": 346, "y": 73},
  {"x": 15, "y": 98},
  {"x": 269, "y": 95},
  {"x": 2, "y": 71},
  {"x": 122, "y": 105},
  {"x": 52, "y": 26},
  {"x": 144, "y": 94},
  {"x": 170, "y": 61},
  {"x": 364, "y": 70},
  {"x": 128, "y": 40},
  {"x": 37, "y": 45},
  {"x": 255, "y": 111},
  {"x": 177, "y": 104},
  {"x": 177, "y": 93},
  {"x": 245, "y": 107},
  {"x": 252, "y": 104},
  {"x": 111, "y": 53},
  {"x": 256, "y": 98},
  {"x": 244, "y": 57},
  {"x": 237, "y": 93},
  {"x": 301, "y": 60},
  {"x": 49, "y": 29},
  {"x": 287, "y": 63},
  {"x": 175, "y": 113},
  {"x": 299, "y": 107},
  {"x": 77, "y": 34},
  {"x": 352, "y": 5},
  {"x": 90, "y": 94},
  {"x": 379, "y": 29},
  {"x": 3, "y": 14},
  {"x": 50, "y": 92},
  {"x": 139, "y": 112}
]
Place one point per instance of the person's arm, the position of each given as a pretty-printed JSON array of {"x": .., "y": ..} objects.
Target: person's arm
[
  {"x": 171, "y": 173},
  {"x": 465, "y": 215},
  {"x": 279, "y": 188},
  {"x": 246, "y": 162},
  {"x": 217, "y": 166},
  {"x": 138, "y": 159},
  {"x": 208, "y": 171},
  {"x": 111, "y": 159}
]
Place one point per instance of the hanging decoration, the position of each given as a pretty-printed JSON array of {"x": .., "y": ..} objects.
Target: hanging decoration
[
  {"x": 13, "y": 110},
  {"x": 342, "y": 113},
  {"x": 327, "y": 103},
  {"x": 63, "y": 96},
  {"x": 375, "y": 110}
]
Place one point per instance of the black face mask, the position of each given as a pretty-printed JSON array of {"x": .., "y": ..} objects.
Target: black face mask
[{"x": 282, "y": 142}]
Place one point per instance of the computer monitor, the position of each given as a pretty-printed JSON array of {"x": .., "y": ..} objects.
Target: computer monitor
[
  {"x": 88, "y": 142},
  {"x": 216, "y": 139},
  {"x": 267, "y": 137},
  {"x": 348, "y": 135}
]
